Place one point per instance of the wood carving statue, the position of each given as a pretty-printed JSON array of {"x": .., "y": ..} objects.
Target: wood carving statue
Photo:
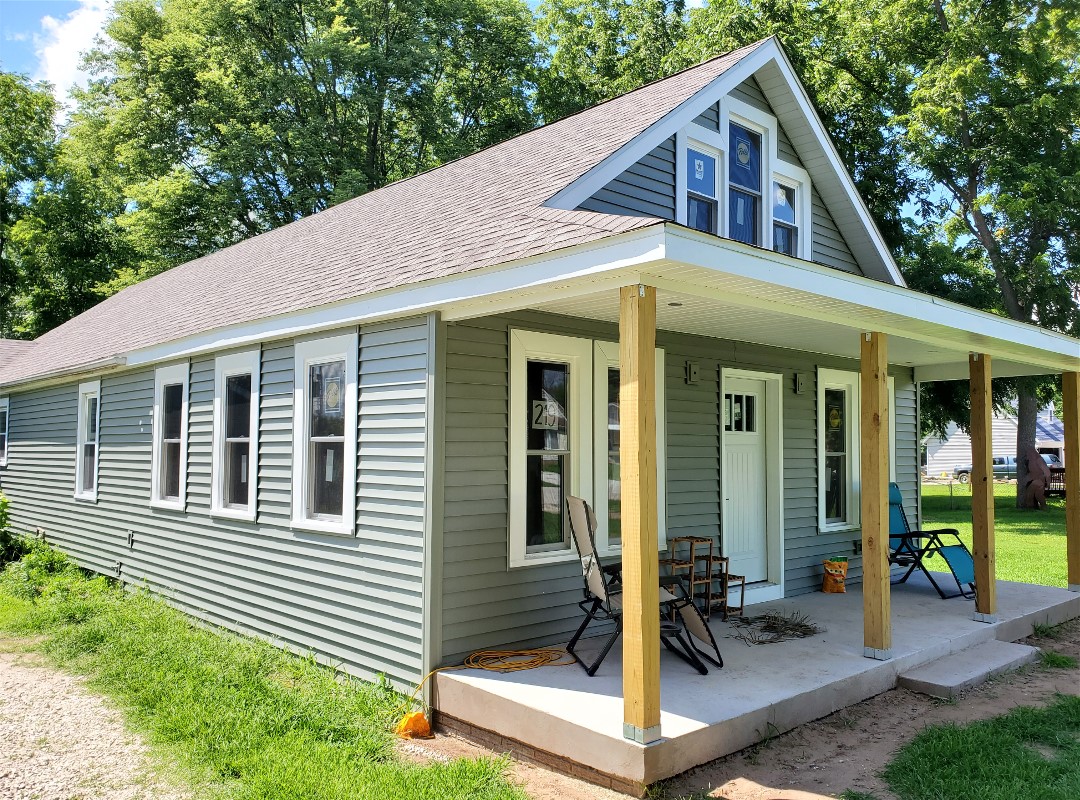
[{"x": 1038, "y": 478}]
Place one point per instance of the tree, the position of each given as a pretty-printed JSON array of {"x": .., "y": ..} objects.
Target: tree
[
  {"x": 27, "y": 139},
  {"x": 226, "y": 119},
  {"x": 995, "y": 123},
  {"x": 597, "y": 49}
]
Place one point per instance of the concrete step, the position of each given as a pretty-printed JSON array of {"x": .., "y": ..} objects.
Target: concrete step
[{"x": 949, "y": 676}]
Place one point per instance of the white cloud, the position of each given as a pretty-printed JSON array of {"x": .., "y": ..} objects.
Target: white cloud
[{"x": 62, "y": 42}]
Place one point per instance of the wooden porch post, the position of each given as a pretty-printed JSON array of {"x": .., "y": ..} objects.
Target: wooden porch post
[
  {"x": 982, "y": 488},
  {"x": 1070, "y": 388},
  {"x": 640, "y": 569},
  {"x": 874, "y": 435}
]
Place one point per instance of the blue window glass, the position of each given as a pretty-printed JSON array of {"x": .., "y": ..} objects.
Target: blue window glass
[
  {"x": 783, "y": 203},
  {"x": 744, "y": 157},
  {"x": 701, "y": 214},
  {"x": 785, "y": 239},
  {"x": 743, "y": 216},
  {"x": 700, "y": 173}
]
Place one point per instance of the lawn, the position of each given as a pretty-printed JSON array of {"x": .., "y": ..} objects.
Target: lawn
[
  {"x": 243, "y": 720},
  {"x": 1030, "y": 544}
]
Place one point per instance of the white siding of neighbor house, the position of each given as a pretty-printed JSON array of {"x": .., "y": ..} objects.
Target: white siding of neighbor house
[
  {"x": 354, "y": 600},
  {"x": 485, "y": 604}
]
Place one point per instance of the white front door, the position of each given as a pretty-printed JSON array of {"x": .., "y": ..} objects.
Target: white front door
[{"x": 745, "y": 478}]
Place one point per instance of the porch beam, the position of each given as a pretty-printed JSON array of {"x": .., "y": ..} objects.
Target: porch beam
[
  {"x": 982, "y": 487},
  {"x": 874, "y": 450},
  {"x": 640, "y": 569},
  {"x": 1070, "y": 388}
]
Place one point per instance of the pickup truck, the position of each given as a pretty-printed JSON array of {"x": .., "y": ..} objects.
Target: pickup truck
[{"x": 1004, "y": 467}]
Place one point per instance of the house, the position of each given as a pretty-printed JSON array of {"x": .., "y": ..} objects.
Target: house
[
  {"x": 355, "y": 434},
  {"x": 945, "y": 453}
]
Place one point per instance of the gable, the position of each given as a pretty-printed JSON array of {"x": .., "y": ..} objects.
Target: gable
[{"x": 762, "y": 93}]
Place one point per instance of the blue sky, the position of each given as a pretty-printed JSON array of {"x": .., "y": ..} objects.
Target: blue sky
[{"x": 45, "y": 38}]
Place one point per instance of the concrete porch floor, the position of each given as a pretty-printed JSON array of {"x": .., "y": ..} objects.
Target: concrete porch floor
[{"x": 562, "y": 717}]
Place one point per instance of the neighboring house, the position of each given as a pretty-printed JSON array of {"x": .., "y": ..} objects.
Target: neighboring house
[
  {"x": 944, "y": 454},
  {"x": 355, "y": 434}
]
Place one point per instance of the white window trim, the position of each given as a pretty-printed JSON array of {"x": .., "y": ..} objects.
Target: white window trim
[
  {"x": 5, "y": 405},
  {"x": 772, "y": 168},
  {"x": 246, "y": 363},
  {"x": 165, "y": 376},
  {"x": 87, "y": 390},
  {"x": 306, "y": 354},
  {"x": 851, "y": 382},
  {"x": 606, "y": 355},
  {"x": 577, "y": 353}
]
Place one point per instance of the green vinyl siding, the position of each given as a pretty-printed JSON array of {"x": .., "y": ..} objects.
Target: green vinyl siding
[
  {"x": 353, "y": 600},
  {"x": 485, "y": 604}
]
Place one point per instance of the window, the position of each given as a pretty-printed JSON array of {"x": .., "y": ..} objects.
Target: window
[
  {"x": 785, "y": 231},
  {"x": 168, "y": 478},
  {"x": 701, "y": 203},
  {"x": 86, "y": 458},
  {"x": 607, "y": 483},
  {"x": 735, "y": 185},
  {"x": 564, "y": 440},
  {"x": 839, "y": 465},
  {"x": 744, "y": 179},
  {"x": 740, "y": 413},
  {"x": 236, "y": 434},
  {"x": 324, "y": 435},
  {"x": 4, "y": 406}
]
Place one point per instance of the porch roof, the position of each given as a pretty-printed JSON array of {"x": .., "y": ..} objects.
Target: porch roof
[{"x": 727, "y": 290}]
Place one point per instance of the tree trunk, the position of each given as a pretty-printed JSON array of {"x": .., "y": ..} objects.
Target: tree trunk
[{"x": 1027, "y": 409}]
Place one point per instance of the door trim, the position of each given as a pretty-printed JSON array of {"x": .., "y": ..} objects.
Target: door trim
[{"x": 773, "y": 587}]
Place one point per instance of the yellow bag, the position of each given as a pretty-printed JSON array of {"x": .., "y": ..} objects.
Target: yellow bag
[{"x": 835, "y": 576}]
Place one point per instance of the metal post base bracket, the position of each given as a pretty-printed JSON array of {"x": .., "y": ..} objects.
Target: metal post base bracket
[
  {"x": 641, "y": 735},
  {"x": 988, "y": 618},
  {"x": 877, "y": 655},
  {"x": 1074, "y": 587}
]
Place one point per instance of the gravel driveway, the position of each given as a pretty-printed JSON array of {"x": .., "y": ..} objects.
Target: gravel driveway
[{"x": 60, "y": 742}]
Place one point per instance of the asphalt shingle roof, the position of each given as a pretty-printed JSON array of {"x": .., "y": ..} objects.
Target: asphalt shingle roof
[{"x": 479, "y": 211}]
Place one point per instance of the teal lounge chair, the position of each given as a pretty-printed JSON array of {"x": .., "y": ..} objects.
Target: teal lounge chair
[{"x": 908, "y": 548}]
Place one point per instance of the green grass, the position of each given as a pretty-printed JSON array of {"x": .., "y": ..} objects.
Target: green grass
[
  {"x": 241, "y": 718},
  {"x": 1030, "y": 544},
  {"x": 1029, "y": 753},
  {"x": 1054, "y": 660}
]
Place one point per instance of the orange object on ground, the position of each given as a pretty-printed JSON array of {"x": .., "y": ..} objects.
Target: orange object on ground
[
  {"x": 414, "y": 725},
  {"x": 835, "y": 576}
]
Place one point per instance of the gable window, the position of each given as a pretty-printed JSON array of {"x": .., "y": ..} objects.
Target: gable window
[
  {"x": 4, "y": 411},
  {"x": 236, "y": 434},
  {"x": 168, "y": 476},
  {"x": 785, "y": 229},
  {"x": 324, "y": 434},
  {"x": 744, "y": 179},
  {"x": 86, "y": 459},
  {"x": 701, "y": 200},
  {"x": 839, "y": 465},
  {"x": 736, "y": 185}
]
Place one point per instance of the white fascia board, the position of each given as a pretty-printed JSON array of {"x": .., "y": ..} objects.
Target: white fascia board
[
  {"x": 1000, "y": 367},
  {"x": 678, "y": 118},
  {"x": 455, "y": 296},
  {"x": 1056, "y": 351}
]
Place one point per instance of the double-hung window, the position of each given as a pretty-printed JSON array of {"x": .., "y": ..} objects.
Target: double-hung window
[
  {"x": 4, "y": 413},
  {"x": 236, "y": 435},
  {"x": 785, "y": 226},
  {"x": 168, "y": 476},
  {"x": 839, "y": 465},
  {"x": 744, "y": 184},
  {"x": 86, "y": 459},
  {"x": 324, "y": 434},
  {"x": 564, "y": 440}
]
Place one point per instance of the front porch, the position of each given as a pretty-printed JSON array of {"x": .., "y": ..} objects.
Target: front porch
[{"x": 563, "y": 718}]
